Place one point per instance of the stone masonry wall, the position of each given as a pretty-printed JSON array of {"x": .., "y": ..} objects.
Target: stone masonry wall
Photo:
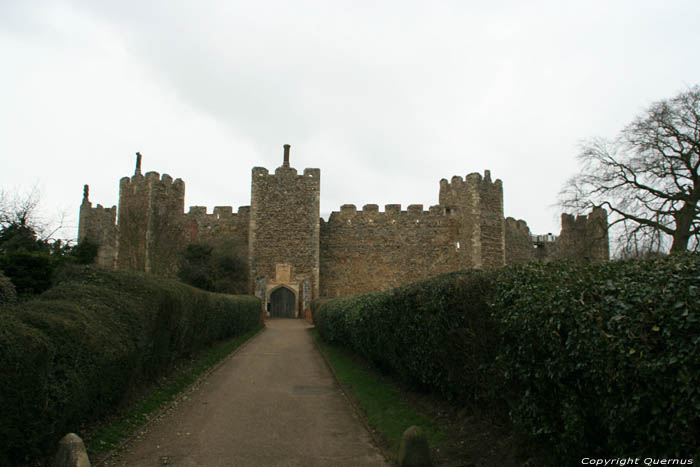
[
  {"x": 98, "y": 225},
  {"x": 353, "y": 252},
  {"x": 519, "y": 247},
  {"x": 284, "y": 223},
  {"x": 584, "y": 237},
  {"x": 492, "y": 224},
  {"x": 223, "y": 229},
  {"x": 368, "y": 250},
  {"x": 460, "y": 198},
  {"x": 151, "y": 233},
  {"x": 478, "y": 205}
]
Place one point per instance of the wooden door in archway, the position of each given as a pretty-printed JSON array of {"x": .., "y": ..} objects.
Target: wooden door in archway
[{"x": 282, "y": 303}]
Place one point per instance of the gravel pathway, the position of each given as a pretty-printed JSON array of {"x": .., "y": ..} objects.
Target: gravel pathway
[{"x": 274, "y": 403}]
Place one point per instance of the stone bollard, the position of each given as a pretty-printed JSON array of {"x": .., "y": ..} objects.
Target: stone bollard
[
  {"x": 414, "y": 450},
  {"x": 71, "y": 452}
]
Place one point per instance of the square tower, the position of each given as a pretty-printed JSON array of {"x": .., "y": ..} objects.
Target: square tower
[{"x": 284, "y": 227}]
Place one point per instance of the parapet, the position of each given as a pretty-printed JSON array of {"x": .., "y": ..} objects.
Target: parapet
[
  {"x": 415, "y": 209},
  {"x": 392, "y": 208},
  {"x": 585, "y": 237},
  {"x": 198, "y": 210},
  {"x": 472, "y": 179},
  {"x": 348, "y": 209},
  {"x": 517, "y": 224},
  {"x": 155, "y": 179},
  {"x": 260, "y": 171},
  {"x": 414, "y": 213},
  {"x": 223, "y": 211},
  {"x": 286, "y": 171},
  {"x": 219, "y": 212},
  {"x": 459, "y": 191},
  {"x": 314, "y": 173}
]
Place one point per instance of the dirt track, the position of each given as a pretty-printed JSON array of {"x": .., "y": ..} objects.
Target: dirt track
[{"x": 274, "y": 403}]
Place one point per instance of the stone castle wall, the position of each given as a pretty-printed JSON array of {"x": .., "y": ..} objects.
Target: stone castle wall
[
  {"x": 584, "y": 237},
  {"x": 98, "y": 225},
  {"x": 286, "y": 243},
  {"x": 223, "y": 229},
  {"x": 151, "y": 232},
  {"x": 477, "y": 203},
  {"x": 370, "y": 250},
  {"x": 519, "y": 248},
  {"x": 284, "y": 223}
]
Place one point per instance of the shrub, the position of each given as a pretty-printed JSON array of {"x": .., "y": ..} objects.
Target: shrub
[
  {"x": 430, "y": 334},
  {"x": 207, "y": 268},
  {"x": 8, "y": 294},
  {"x": 588, "y": 359},
  {"x": 85, "y": 252},
  {"x": 73, "y": 353},
  {"x": 603, "y": 358},
  {"x": 31, "y": 273}
]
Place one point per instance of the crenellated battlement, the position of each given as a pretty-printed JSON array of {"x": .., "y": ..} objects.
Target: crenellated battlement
[
  {"x": 152, "y": 179},
  {"x": 98, "y": 225},
  {"x": 219, "y": 212},
  {"x": 414, "y": 214},
  {"x": 286, "y": 243},
  {"x": 584, "y": 236},
  {"x": 517, "y": 225},
  {"x": 471, "y": 179},
  {"x": 518, "y": 241}
]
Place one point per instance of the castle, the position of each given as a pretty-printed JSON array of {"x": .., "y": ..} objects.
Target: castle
[{"x": 293, "y": 255}]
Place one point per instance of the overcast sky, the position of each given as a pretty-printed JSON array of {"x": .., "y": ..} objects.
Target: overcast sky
[{"x": 385, "y": 97}]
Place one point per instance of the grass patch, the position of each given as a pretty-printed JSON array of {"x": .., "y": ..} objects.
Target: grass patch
[
  {"x": 385, "y": 411},
  {"x": 110, "y": 435}
]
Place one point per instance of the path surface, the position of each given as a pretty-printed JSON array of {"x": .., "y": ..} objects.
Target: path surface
[{"x": 274, "y": 403}]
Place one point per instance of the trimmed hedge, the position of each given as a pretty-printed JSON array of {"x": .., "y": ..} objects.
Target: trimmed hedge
[
  {"x": 8, "y": 293},
  {"x": 588, "y": 359},
  {"x": 72, "y": 354},
  {"x": 431, "y": 333},
  {"x": 31, "y": 273}
]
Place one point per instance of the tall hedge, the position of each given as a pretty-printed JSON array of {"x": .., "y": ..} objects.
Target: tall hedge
[
  {"x": 604, "y": 358},
  {"x": 72, "y": 354},
  {"x": 431, "y": 334},
  {"x": 588, "y": 359}
]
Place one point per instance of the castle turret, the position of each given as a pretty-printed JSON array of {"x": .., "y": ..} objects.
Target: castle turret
[
  {"x": 584, "y": 237},
  {"x": 151, "y": 234},
  {"x": 519, "y": 242},
  {"x": 477, "y": 204},
  {"x": 98, "y": 225}
]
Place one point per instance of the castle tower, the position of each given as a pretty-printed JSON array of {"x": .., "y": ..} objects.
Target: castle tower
[
  {"x": 150, "y": 232},
  {"x": 477, "y": 204},
  {"x": 283, "y": 238},
  {"x": 584, "y": 237},
  {"x": 98, "y": 225}
]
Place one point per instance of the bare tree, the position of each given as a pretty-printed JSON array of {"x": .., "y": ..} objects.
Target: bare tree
[
  {"x": 21, "y": 211},
  {"x": 18, "y": 210},
  {"x": 647, "y": 177}
]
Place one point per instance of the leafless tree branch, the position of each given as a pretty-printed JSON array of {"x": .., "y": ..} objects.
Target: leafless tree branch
[{"x": 647, "y": 177}]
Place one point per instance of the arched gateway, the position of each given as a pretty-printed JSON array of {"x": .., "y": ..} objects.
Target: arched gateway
[{"x": 282, "y": 303}]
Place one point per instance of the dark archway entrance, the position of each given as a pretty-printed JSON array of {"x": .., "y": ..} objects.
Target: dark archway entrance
[{"x": 282, "y": 303}]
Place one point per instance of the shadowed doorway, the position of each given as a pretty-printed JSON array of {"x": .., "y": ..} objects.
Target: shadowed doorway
[{"x": 282, "y": 303}]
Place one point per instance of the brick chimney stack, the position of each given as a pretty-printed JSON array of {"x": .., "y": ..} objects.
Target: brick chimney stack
[
  {"x": 138, "y": 164},
  {"x": 286, "y": 156}
]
